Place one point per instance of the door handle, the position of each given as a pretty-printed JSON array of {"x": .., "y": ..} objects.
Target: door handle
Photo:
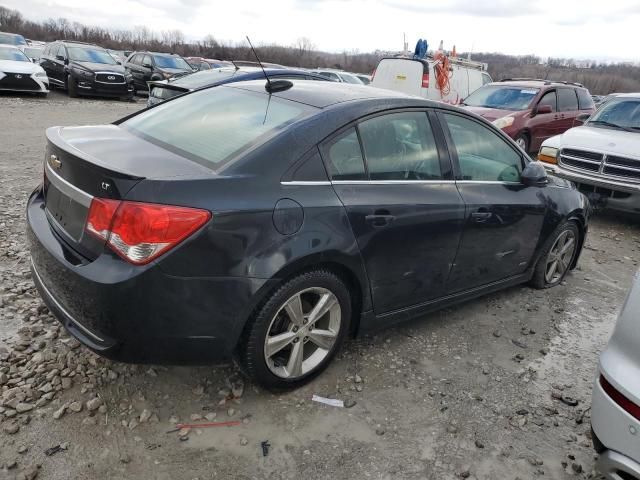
[
  {"x": 378, "y": 220},
  {"x": 481, "y": 217}
]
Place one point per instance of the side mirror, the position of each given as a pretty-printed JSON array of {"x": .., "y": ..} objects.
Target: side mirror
[
  {"x": 582, "y": 118},
  {"x": 147, "y": 65},
  {"x": 60, "y": 57},
  {"x": 534, "y": 175},
  {"x": 542, "y": 109}
]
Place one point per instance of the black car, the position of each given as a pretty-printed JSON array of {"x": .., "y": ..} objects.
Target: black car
[
  {"x": 165, "y": 89},
  {"x": 85, "y": 69},
  {"x": 234, "y": 222},
  {"x": 147, "y": 66}
]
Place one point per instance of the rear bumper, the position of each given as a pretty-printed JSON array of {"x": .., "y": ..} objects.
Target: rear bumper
[
  {"x": 611, "y": 464},
  {"x": 136, "y": 314},
  {"x": 617, "y": 436}
]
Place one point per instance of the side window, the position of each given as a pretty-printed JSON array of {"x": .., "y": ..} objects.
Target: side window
[
  {"x": 585, "y": 102},
  {"x": 330, "y": 75},
  {"x": 482, "y": 154},
  {"x": 400, "y": 146},
  {"x": 549, "y": 98},
  {"x": 344, "y": 157},
  {"x": 567, "y": 100},
  {"x": 147, "y": 60},
  {"x": 61, "y": 51},
  {"x": 134, "y": 59}
]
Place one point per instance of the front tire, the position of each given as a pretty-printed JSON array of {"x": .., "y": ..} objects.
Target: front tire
[
  {"x": 557, "y": 256},
  {"x": 297, "y": 332},
  {"x": 72, "y": 88}
]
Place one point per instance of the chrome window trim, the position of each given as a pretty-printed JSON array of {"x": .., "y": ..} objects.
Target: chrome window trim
[
  {"x": 64, "y": 310},
  {"x": 390, "y": 182},
  {"x": 70, "y": 190},
  {"x": 306, "y": 182},
  {"x": 488, "y": 182}
]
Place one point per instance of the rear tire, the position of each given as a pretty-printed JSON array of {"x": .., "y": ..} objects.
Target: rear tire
[
  {"x": 557, "y": 256},
  {"x": 72, "y": 88},
  {"x": 523, "y": 141},
  {"x": 285, "y": 344}
]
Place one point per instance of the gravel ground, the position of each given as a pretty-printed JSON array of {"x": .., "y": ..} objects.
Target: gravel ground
[{"x": 480, "y": 391}]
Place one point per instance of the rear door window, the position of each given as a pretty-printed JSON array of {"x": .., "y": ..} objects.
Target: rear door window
[
  {"x": 400, "y": 146},
  {"x": 344, "y": 157},
  {"x": 549, "y": 99},
  {"x": 567, "y": 100},
  {"x": 482, "y": 154},
  {"x": 214, "y": 126}
]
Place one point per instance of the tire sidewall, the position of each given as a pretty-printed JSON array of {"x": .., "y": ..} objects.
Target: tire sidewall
[
  {"x": 254, "y": 362},
  {"x": 525, "y": 140}
]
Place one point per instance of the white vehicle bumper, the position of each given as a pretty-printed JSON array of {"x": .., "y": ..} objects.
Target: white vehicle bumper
[{"x": 619, "y": 434}]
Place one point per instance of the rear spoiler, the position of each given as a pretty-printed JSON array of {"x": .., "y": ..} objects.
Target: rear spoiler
[{"x": 168, "y": 86}]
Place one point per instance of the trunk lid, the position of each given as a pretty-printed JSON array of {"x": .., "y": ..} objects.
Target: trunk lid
[{"x": 102, "y": 161}]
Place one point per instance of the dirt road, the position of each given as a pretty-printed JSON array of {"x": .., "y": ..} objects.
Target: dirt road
[{"x": 464, "y": 393}]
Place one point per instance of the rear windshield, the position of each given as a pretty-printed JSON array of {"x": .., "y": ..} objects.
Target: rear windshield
[
  {"x": 12, "y": 39},
  {"x": 80, "y": 54},
  {"x": 12, "y": 54},
  {"x": 502, "y": 97},
  {"x": 204, "y": 78},
  {"x": 213, "y": 126},
  {"x": 179, "y": 63}
]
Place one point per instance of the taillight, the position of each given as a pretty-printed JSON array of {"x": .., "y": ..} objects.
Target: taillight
[
  {"x": 140, "y": 232},
  {"x": 425, "y": 80},
  {"x": 626, "y": 404}
]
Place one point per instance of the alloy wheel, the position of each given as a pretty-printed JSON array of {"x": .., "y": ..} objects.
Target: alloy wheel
[
  {"x": 560, "y": 256},
  {"x": 302, "y": 333},
  {"x": 522, "y": 143}
]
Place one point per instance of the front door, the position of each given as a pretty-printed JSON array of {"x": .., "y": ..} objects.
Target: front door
[
  {"x": 402, "y": 203},
  {"x": 545, "y": 125},
  {"x": 503, "y": 218}
]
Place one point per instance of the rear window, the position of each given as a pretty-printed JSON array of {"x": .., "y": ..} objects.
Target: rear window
[
  {"x": 12, "y": 39},
  {"x": 567, "y": 100},
  {"x": 208, "y": 77},
  {"x": 213, "y": 126},
  {"x": 585, "y": 101}
]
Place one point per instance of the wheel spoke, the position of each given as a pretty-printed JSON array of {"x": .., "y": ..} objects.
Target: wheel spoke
[
  {"x": 294, "y": 365},
  {"x": 551, "y": 270},
  {"x": 327, "y": 302},
  {"x": 322, "y": 338},
  {"x": 567, "y": 246},
  {"x": 294, "y": 310},
  {"x": 278, "y": 342}
]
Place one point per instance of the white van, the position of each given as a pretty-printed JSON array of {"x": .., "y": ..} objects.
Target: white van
[{"x": 415, "y": 76}]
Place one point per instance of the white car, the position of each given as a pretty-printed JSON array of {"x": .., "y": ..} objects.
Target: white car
[
  {"x": 603, "y": 155},
  {"x": 615, "y": 408},
  {"x": 338, "y": 76},
  {"x": 19, "y": 74}
]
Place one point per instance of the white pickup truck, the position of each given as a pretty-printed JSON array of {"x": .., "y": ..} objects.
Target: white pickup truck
[{"x": 603, "y": 155}]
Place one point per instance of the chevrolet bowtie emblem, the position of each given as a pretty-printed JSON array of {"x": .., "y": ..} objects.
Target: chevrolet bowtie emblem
[{"x": 54, "y": 162}]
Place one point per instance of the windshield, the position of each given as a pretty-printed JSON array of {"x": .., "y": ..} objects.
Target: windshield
[
  {"x": 204, "y": 78},
  {"x": 618, "y": 112},
  {"x": 502, "y": 97},
  {"x": 171, "y": 62},
  {"x": 10, "y": 39},
  {"x": 214, "y": 125},
  {"x": 13, "y": 54},
  {"x": 79, "y": 54}
]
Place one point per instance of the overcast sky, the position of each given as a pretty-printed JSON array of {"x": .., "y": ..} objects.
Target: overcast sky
[{"x": 560, "y": 28}]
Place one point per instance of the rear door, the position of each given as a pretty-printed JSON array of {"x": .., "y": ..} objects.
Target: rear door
[
  {"x": 568, "y": 108},
  {"x": 402, "y": 75},
  {"x": 402, "y": 203},
  {"x": 58, "y": 64},
  {"x": 503, "y": 218}
]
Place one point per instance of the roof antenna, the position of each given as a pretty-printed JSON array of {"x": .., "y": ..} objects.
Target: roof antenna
[{"x": 275, "y": 86}]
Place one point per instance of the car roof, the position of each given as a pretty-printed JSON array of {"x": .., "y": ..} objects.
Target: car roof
[
  {"x": 81, "y": 45},
  {"x": 211, "y": 77},
  {"x": 626, "y": 95},
  {"x": 324, "y": 94}
]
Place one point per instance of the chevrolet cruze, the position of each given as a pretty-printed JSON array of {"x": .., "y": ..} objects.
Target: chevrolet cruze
[{"x": 269, "y": 221}]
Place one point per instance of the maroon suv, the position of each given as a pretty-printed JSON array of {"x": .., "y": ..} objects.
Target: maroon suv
[{"x": 530, "y": 111}]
